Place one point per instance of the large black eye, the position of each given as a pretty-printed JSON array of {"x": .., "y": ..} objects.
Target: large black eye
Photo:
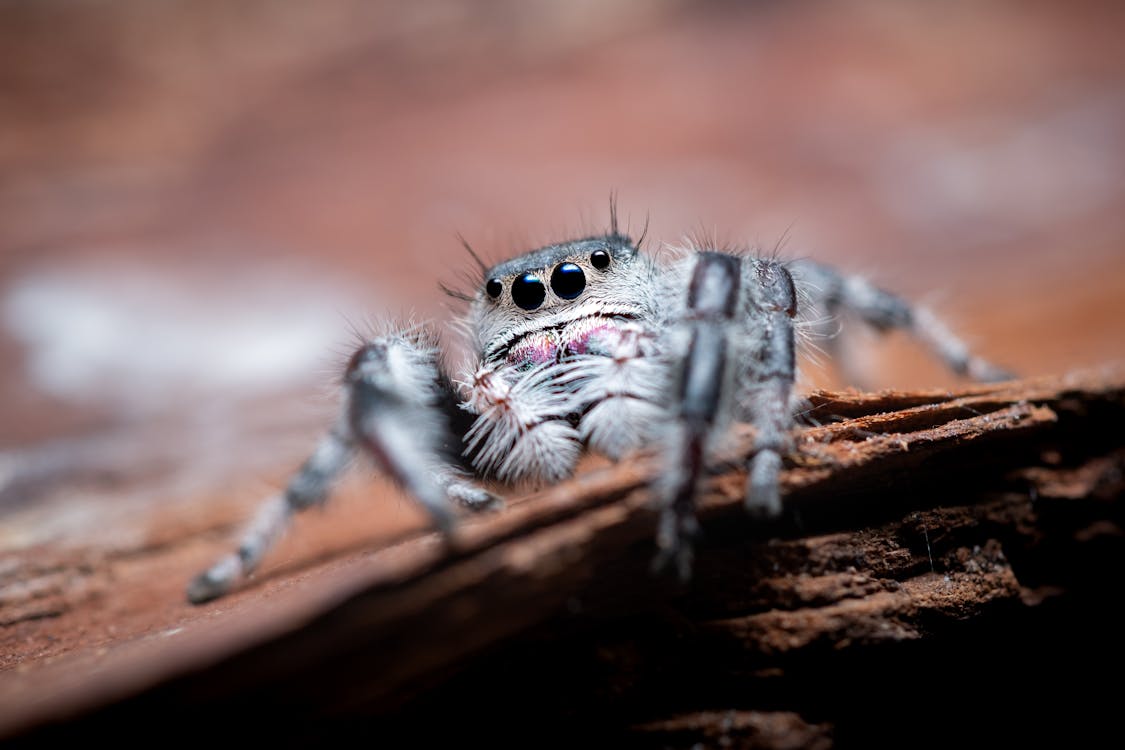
[
  {"x": 494, "y": 287},
  {"x": 568, "y": 281},
  {"x": 599, "y": 259},
  {"x": 528, "y": 291}
]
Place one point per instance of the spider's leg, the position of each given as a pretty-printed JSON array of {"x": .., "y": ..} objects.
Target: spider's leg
[
  {"x": 404, "y": 412},
  {"x": 393, "y": 395},
  {"x": 460, "y": 487},
  {"x": 883, "y": 311},
  {"x": 702, "y": 342},
  {"x": 826, "y": 331},
  {"x": 308, "y": 487},
  {"x": 396, "y": 411},
  {"x": 768, "y": 378}
]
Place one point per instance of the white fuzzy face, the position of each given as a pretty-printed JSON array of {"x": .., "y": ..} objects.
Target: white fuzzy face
[{"x": 563, "y": 299}]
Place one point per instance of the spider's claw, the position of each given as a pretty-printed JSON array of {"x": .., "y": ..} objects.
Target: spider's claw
[
  {"x": 477, "y": 499},
  {"x": 676, "y": 541},
  {"x": 215, "y": 581},
  {"x": 681, "y": 558},
  {"x": 763, "y": 497},
  {"x": 985, "y": 372},
  {"x": 468, "y": 494}
]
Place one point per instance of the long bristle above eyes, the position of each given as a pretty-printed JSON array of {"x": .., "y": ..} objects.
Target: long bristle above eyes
[
  {"x": 454, "y": 293},
  {"x": 472, "y": 253}
]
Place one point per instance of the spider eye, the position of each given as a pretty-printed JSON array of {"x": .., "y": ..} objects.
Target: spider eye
[
  {"x": 528, "y": 291},
  {"x": 494, "y": 287},
  {"x": 568, "y": 281},
  {"x": 599, "y": 259}
]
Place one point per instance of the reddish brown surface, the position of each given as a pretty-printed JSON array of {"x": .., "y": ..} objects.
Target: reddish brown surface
[
  {"x": 970, "y": 156},
  {"x": 361, "y": 635}
]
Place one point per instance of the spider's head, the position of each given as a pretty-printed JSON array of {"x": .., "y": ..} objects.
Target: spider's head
[{"x": 555, "y": 285}]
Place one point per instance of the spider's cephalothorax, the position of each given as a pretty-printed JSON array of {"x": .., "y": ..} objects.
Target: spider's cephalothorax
[
  {"x": 560, "y": 300},
  {"x": 590, "y": 344},
  {"x": 564, "y": 336}
]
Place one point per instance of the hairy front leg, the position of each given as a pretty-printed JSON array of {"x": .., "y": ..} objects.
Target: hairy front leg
[
  {"x": 396, "y": 404},
  {"x": 700, "y": 345},
  {"x": 767, "y": 376},
  {"x": 734, "y": 342}
]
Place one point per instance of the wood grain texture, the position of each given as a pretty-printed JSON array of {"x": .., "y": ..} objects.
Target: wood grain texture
[{"x": 916, "y": 516}]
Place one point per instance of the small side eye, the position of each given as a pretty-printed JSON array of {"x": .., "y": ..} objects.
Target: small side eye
[
  {"x": 599, "y": 259},
  {"x": 494, "y": 287}
]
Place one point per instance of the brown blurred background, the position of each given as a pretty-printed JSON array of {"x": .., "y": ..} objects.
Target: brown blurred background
[
  {"x": 186, "y": 187},
  {"x": 196, "y": 198}
]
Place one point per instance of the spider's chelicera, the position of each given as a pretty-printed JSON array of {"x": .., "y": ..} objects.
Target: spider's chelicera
[{"x": 591, "y": 345}]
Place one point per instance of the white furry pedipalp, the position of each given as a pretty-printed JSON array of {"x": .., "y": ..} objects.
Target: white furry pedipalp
[
  {"x": 622, "y": 394},
  {"x": 522, "y": 432}
]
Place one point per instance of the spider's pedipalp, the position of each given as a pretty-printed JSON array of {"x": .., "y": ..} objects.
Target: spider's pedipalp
[
  {"x": 620, "y": 390},
  {"x": 522, "y": 429}
]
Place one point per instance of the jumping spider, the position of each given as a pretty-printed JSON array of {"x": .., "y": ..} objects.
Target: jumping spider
[{"x": 590, "y": 344}]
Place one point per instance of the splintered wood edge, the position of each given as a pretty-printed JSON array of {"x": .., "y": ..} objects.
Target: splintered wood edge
[{"x": 532, "y": 557}]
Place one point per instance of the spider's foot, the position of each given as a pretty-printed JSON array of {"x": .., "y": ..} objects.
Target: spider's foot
[
  {"x": 476, "y": 499},
  {"x": 461, "y": 490},
  {"x": 216, "y": 581},
  {"x": 985, "y": 372},
  {"x": 763, "y": 496},
  {"x": 675, "y": 539}
]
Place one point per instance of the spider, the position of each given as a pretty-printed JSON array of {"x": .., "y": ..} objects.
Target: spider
[{"x": 590, "y": 344}]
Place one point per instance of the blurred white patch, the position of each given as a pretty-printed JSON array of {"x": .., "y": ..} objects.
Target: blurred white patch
[
  {"x": 996, "y": 176},
  {"x": 143, "y": 340}
]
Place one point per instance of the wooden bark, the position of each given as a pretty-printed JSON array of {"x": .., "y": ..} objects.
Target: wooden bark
[{"x": 941, "y": 553}]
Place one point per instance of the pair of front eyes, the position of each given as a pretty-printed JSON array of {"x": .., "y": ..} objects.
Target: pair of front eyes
[{"x": 567, "y": 281}]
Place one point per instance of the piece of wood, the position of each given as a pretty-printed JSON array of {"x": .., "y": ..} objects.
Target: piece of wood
[{"x": 914, "y": 519}]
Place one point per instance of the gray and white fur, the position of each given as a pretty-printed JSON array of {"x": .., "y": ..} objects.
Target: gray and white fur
[{"x": 590, "y": 345}]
